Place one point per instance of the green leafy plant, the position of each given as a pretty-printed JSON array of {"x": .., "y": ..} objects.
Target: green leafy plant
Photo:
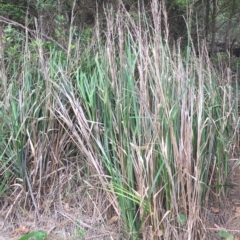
[
  {"x": 79, "y": 233},
  {"x": 39, "y": 235},
  {"x": 16, "y": 11},
  {"x": 13, "y": 41},
  {"x": 226, "y": 235}
]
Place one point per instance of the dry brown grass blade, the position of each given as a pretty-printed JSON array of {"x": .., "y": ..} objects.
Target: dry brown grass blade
[{"x": 81, "y": 134}]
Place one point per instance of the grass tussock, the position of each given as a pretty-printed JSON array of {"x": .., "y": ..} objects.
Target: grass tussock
[{"x": 152, "y": 125}]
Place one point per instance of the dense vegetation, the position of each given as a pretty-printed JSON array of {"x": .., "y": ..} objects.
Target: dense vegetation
[{"x": 118, "y": 103}]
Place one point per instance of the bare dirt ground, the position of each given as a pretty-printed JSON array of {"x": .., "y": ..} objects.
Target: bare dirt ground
[
  {"x": 84, "y": 215},
  {"x": 61, "y": 227}
]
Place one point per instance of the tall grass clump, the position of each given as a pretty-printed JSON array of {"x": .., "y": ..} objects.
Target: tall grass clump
[
  {"x": 22, "y": 117},
  {"x": 31, "y": 153},
  {"x": 153, "y": 126},
  {"x": 159, "y": 125}
]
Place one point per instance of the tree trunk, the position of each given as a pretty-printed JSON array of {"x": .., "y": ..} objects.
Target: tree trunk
[
  {"x": 214, "y": 15},
  {"x": 207, "y": 18},
  {"x": 229, "y": 27}
]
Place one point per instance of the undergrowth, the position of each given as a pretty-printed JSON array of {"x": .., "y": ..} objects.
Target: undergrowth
[{"x": 155, "y": 127}]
